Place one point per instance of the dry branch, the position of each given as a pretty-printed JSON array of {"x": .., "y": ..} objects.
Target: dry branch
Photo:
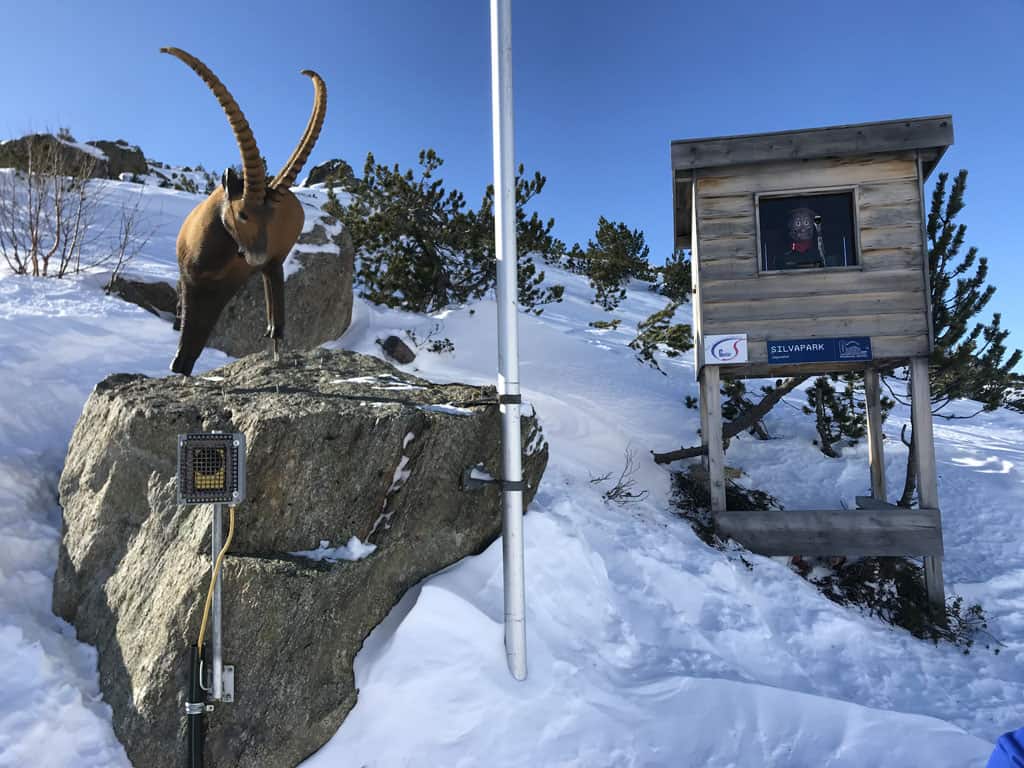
[{"x": 738, "y": 425}]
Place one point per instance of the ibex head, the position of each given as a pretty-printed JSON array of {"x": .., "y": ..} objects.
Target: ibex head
[{"x": 263, "y": 217}]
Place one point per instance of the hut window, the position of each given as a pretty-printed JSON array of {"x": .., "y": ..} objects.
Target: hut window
[{"x": 808, "y": 231}]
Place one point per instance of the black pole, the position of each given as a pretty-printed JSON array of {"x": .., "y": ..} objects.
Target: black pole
[{"x": 195, "y": 706}]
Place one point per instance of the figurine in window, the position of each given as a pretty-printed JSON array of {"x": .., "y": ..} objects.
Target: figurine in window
[{"x": 806, "y": 247}]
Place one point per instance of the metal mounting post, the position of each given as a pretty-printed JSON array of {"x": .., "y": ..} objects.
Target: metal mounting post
[{"x": 216, "y": 542}]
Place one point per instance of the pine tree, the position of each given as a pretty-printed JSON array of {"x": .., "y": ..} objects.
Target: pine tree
[
  {"x": 576, "y": 260},
  {"x": 659, "y": 334},
  {"x": 533, "y": 239},
  {"x": 1015, "y": 394},
  {"x": 419, "y": 246},
  {"x": 674, "y": 278},
  {"x": 970, "y": 358},
  {"x": 841, "y": 413},
  {"x": 737, "y": 402},
  {"x": 411, "y": 235},
  {"x": 615, "y": 255},
  {"x": 833, "y": 417}
]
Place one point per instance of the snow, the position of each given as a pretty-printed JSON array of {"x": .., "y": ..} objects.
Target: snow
[
  {"x": 646, "y": 647},
  {"x": 448, "y": 408},
  {"x": 354, "y": 549},
  {"x": 385, "y": 382},
  {"x": 89, "y": 149}
]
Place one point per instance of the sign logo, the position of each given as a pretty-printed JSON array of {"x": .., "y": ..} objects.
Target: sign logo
[
  {"x": 725, "y": 349},
  {"x": 854, "y": 349}
]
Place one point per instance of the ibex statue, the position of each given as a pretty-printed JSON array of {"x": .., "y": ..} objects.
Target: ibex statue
[{"x": 245, "y": 225}]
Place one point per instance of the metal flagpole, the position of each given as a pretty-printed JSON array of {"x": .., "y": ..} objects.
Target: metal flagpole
[{"x": 508, "y": 335}]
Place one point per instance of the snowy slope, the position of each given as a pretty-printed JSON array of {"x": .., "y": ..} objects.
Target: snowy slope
[{"x": 646, "y": 647}]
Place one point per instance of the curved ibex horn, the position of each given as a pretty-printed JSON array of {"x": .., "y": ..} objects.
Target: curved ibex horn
[
  {"x": 253, "y": 172},
  {"x": 286, "y": 176}
]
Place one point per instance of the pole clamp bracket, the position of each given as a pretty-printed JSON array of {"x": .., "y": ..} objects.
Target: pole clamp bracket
[
  {"x": 194, "y": 708},
  {"x": 510, "y": 399},
  {"x": 475, "y": 478}
]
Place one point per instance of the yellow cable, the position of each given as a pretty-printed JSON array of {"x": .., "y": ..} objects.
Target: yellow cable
[{"x": 213, "y": 577}]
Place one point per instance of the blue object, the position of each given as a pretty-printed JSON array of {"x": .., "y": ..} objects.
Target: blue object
[
  {"x": 1009, "y": 751},
  {"x": 844, "y": 349}
]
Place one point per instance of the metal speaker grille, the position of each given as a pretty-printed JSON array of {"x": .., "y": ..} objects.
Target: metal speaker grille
[{"x": 211, "y": 468}]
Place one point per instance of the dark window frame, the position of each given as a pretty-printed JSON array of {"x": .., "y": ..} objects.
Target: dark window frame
[{"x": 808, "y": 192}]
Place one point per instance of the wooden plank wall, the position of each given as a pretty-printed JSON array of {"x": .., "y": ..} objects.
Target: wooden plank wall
[{"x": 885, "y": 299}]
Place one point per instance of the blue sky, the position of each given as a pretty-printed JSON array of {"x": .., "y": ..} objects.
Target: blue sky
[{"x": 601, "y": 89}]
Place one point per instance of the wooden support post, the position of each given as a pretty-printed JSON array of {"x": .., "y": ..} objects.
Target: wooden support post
[
  {"x": 927, "y": 478},
  {"x": 702, "y": 403},
  {"x": 876, "y": 454},
  {"x": 712, "y": 419}
]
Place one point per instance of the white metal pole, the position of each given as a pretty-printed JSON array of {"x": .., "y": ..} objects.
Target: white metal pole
[
  {"x": 216, "y": 542},
  {"x": 508, "y": 335}
]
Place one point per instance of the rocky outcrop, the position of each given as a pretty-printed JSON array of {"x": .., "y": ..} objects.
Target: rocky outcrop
[
  {"x": 339, "y": 445},
  {"x": 159, "y": 298},
  {"x": 111, "y": 160},
  {"x": 336, "y": 170},
  {"x": 122, "y": 157},
  {"x": 48, "y": 152},
  {"x": 318, "y": 297}
]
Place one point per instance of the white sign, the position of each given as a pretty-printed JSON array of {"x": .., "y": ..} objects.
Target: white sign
[{"x": 725, "y": 348}]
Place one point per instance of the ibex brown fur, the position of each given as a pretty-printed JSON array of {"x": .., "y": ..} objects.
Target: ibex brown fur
[{"x": 245, "y": 225}]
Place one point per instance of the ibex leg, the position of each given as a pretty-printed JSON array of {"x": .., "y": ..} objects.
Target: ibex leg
[
  {"x": 273, "y": 291},
  {"x": 200, "y": 308}
]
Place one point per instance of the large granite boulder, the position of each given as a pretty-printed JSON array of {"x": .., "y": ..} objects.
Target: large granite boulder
[
  {"x": 339, "y": 445},
  {"x": 318, "y": 296}
]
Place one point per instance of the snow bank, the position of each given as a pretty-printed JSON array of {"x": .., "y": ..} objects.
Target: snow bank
[{"x": 646, "y": 648}]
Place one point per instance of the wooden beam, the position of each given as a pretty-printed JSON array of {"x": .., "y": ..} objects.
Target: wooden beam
[
  {"x": 835, "y": 141},
  {"x": 876, "y": 454},
  {"x": 927, "y": 478},
  {"x": 903, "y": 532},
  {"x": 712, "y": 405}
]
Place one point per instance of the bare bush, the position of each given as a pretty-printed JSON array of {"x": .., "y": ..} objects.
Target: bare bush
[
  {"x": 133, "y": 234},
  {"x": 48, "y": 209},
  {"x": 623, "y": 491}
]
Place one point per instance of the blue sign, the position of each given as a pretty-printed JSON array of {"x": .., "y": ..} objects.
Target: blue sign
[{"x": 846, "y": 349}]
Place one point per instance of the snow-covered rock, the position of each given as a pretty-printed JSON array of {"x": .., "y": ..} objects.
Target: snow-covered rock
[{"x": 335, "y": 451}]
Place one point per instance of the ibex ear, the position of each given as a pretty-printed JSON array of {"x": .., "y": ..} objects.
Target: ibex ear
[{"x": 233, "y": 185}]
